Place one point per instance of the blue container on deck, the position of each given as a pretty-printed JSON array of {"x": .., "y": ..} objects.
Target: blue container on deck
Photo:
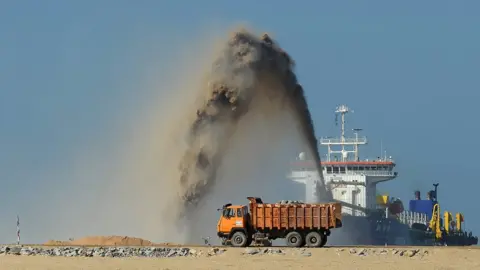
[{"x": 422, "y": 206}]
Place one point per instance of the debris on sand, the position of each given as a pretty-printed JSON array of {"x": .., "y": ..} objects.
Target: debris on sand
[{"x": 102, "y": 241}]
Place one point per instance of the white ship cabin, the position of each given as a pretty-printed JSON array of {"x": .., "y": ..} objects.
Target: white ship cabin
[
  {"x": 351, "y": 180},
  {"x": 380, "y": 167}
]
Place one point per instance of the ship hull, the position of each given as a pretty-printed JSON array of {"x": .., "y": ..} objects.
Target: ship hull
[
  {"x": 375, "y": 230},
  {"x": 359, "y": 230}
]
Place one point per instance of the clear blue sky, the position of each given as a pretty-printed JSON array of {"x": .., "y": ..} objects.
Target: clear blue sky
[{"x": 69, "y": 68}]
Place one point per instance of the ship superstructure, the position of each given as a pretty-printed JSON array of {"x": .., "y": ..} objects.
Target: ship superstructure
[
  {"x": 374, "y": 218},
  {"x": 351, "y": 180}
]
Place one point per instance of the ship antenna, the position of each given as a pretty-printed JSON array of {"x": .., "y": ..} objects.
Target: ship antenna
[
  {"x": 342, "y": 110},
  {"x": 356, "y": 130},
  {"x": 381, "y": 148}
]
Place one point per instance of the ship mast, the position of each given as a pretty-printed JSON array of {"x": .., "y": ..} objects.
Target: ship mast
[
  {"x": 343, "y": 109},
  {"x": 343, "y": 141}
]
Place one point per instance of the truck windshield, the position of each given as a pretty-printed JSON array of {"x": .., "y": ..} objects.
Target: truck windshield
[{"x": 228, "y": 212}]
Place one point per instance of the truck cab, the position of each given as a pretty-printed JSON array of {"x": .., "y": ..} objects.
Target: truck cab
[
  {"x": 233, "y": 224},
  {"x": 232, "y": 217}
]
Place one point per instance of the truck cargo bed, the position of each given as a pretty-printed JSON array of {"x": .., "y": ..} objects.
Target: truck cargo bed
[{"x": 297, "y": 216}]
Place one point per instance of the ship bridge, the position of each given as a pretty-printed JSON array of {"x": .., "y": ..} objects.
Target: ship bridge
[
  {"x": 351, "y": 180},
  {"x": 379, "y": 170}
]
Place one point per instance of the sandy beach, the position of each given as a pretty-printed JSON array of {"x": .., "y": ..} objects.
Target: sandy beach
[{"x": 235, "y": 258}]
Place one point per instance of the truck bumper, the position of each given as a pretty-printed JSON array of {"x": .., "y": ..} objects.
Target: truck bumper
[{"x": 222, "y": 235}]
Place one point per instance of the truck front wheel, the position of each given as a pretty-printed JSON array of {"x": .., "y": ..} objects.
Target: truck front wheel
[
  {"x": 294, "y": 239},
  {"x": 239, "y": 239}
]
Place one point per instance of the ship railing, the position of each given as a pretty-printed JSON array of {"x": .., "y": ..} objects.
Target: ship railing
[
  {"x": 409, "y": 217},
  {"x": 369, "y": 173},
  {"x": 311, "y": 163},
  {"x": 359, "y": 140},
  {"x": 305, "y": 173}
]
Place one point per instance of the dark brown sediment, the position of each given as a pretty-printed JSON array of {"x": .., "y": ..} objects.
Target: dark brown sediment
[{"x": 247, "y": 69}]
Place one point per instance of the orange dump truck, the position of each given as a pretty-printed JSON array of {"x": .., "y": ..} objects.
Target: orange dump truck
[{"x": 299, "y": 223}]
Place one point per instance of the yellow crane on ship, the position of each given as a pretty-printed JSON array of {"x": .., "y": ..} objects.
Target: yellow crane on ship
[
  {"x": 446, "y": 229},
  {"x": 447, "y": 226},
  {"x": 442, "y": 229}
]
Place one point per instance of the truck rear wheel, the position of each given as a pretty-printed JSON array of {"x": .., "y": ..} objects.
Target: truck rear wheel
[
  {"x": 294, "y": 239},
  {"x": 314, "y": 239},
  {"x": 239, "y": 239}
]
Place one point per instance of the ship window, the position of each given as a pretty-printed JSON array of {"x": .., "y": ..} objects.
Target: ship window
[
  {"x": 374, "y": 168},
  {"x": 361, "y": 168},
  {"x": 342, "y": 169},
  {"x": 350, "y": 168},
  {"x": 329, "y": 169},
  {"x": 335, "y": 169}
]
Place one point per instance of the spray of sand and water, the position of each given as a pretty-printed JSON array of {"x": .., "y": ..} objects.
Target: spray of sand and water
[{"x": 251, "y": 76}]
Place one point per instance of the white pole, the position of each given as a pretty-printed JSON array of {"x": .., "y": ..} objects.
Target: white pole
[{"x": 18, "y": 230}]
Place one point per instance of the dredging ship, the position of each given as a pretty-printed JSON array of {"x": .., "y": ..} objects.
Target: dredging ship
[{"x": 371, "y": 218}]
